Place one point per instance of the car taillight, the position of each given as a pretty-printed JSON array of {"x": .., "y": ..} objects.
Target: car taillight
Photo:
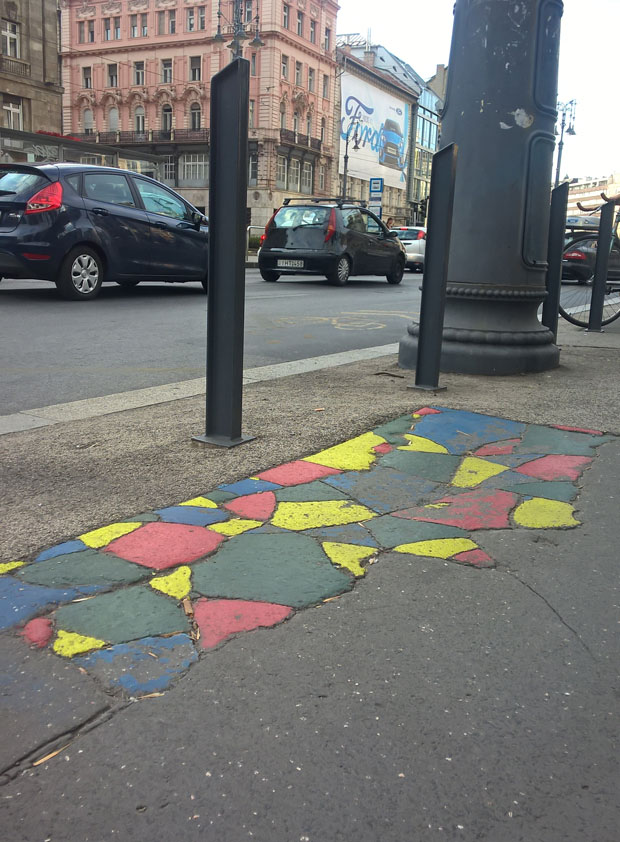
[
  {"x": 331, "y": 226},
  {"x": 263, "y": 237},
  {"x": 49, "y": 198},
  {"x": 421, "y": 235},
  {"x": 574, "y": 255}
]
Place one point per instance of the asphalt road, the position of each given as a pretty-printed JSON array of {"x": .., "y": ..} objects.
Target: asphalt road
[{"x": 54, "y": 351}]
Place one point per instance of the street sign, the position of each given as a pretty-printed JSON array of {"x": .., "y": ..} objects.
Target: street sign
[
  {"x": 376, "y": 186},
  {"x": 376, "y": 209}
]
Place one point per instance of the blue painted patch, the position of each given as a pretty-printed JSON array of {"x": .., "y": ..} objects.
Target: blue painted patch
[
  {"x": 193, "y": 515},
  {"x": 384, "y": 489},
  {"x": 148, "y": 665},
  {"x": 249, "y": 486},
  {"x": 353, "y": 533},
  {"x": 20, "y": 602},
  {"x": 461, "y": 432},
  {"x": 62, "y": 549}
]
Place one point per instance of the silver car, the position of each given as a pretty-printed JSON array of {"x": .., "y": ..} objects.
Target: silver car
[{"x": 414, "y": 240}]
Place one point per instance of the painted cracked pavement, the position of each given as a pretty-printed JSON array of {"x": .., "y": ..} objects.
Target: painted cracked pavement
[{"x": 137, "y": 602}]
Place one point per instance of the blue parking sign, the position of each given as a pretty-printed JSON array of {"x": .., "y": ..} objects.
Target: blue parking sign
[{"x": 376, "y": 186}]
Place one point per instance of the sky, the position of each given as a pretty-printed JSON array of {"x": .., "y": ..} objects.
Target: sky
[{"x": 420, "y": 31}]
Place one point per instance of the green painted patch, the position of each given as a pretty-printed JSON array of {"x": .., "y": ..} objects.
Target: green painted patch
[
  {"x": 145, "y": 517},
  {"x": 552, "y": 490},
  {"x": 88, "y": 567},
  {"x": 219, "y": 496},
  {"x": 439, "y": 467},
  {"x": 316, "y": 490},
  {"x": 126, "y": 615},
  {"x": 391, "y": 531},
  {"x": 393, "y": 432},
  {"x": 287, "y": 569},
  {"x": 546, "y": 440}
]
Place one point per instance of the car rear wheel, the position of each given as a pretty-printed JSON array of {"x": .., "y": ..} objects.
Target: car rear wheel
[
  {"x": 81, "y": 274},
  {"x": 396, "y": 275},
  {"x": 269, "y": 275},
  {"x": 339, "y": 275}
]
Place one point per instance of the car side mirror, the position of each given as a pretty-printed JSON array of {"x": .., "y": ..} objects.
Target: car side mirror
[
  {"x": 198, "y": 219},
  {"x": 392, "y": 234}
]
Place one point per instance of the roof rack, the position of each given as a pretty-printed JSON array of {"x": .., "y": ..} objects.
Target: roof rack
[{"x": 339, "y": 200}]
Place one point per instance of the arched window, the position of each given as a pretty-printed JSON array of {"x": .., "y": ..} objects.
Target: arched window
[
  {"x": 113, "y": 120},
  {"x": 166, "y": 118},
  {"x": 89, "y": 123},
  {"x": 195, "y": 116},
  {"x": 139, "y": 119}
]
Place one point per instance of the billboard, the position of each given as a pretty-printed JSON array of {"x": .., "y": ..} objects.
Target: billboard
[{"x": 380, "y": 124}]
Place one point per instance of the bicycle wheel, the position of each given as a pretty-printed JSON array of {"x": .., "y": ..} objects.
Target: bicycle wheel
[{"x": 579, "y": 257}]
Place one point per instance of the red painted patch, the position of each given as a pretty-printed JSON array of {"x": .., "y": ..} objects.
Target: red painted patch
[
  {"x": 500, "y": 448},
  {"x": 254, "y": 506},
  {"x": 383, "y": 448},
  {"x": 427, "y": 411},
  {"x": 555, "y": 467},
  {"x": 478, "y": 509},
  {"x": 218, "y": 619},
  {"x": 296, "y": 473},
  {"x": 577, "y": 430},
  {"x": 38, "y": 632},
  {"x": 164, "y": 545},
  {"x": 477, "y": 558}
]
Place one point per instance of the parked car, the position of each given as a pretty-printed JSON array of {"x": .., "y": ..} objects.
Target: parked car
[
  {"x": 414, "y": 240},
  {"x": 579, "y": 260},
  {"x": 329, "y": 237},
  {"x": 78, "y": 225}
]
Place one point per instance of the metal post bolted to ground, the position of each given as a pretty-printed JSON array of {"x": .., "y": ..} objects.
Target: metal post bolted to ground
[
  {"x": 595, "y": 321},
  {"x": 436, "y": 269},
  {"x": 557, "y": 228},
  {"x": 228, "y": 165}
]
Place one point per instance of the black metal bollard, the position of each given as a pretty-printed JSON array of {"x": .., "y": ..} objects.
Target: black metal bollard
[
  {"x": 557, "y": 227},
  {"x": 595, "y": 320},
  {"x": 228, "y": 163},
  {"x": 436, "y": 269}
]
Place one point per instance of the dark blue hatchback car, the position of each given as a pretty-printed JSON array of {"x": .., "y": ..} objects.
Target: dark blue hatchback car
[{"x": 79, "y": 225}]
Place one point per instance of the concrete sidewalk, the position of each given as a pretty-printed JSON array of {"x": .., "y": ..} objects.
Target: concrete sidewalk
[{"x": 469, "y": 610}]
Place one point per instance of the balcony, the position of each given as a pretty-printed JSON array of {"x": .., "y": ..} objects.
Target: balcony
[
  {"x": 14, "y": 65},
  {"x": 148, "y": 136},
  {"x": 297, "y": 139}
]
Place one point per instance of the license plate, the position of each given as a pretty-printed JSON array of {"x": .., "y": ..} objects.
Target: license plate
[{"x": 290, "y": 264}]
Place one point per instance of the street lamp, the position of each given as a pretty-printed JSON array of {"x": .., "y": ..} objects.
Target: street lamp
[
  {"x": 564, "y": 108},
  {"x": 356, "y": 146},
  {"x": 237, "y": 28}
]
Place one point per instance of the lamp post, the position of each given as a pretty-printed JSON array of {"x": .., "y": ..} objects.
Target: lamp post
[
  {"x": 356, "y": 146},
  {"x": 564, "y": 108},
  {"x": 238, "y": 28}
]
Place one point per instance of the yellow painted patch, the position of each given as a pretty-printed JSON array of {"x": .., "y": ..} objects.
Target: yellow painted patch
[
  {"x": 297, "y": 516},
  {"x": 200, "y": 501},
  {"x": 439, "y": 548},
  {"x": 422, "y": 445},
  {"x": 11, "y": 565},
  {"x": 348, "y": 555},
  {"x": 101, "y": 537},
  {"x": 177, "y": 584},
  {"x": 540, "y": 513},
  {"x": 70, "y": 644},
  {"x": 235, "y": 526},
  {"x": 354, "y": 455},
  {"x": 473, "y": 470},
  {"x": 437, "y": 505}
]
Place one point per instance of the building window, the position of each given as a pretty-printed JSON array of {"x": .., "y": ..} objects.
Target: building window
[
  {"x": 161, "y": 23},
  {"x": 325, "y": 86},
  {"x": 169, "y": 169},
  {"x": 195, "y": 116},
  {"x": 251, "y": 115},
  {"x": 253, "y": 169},
  {"x": 191, "y": 20},
  {"x": 282, "y": 117},
  {"x": 194, "y": 69},
  {"x": 81, "y": 31},
  {"x": 306, "y": 177},
  {"x": 293, "y": 174},
  {"x": 117, "y": 28},
  {"x": 133, "y": 26},
  {"x": 300, "y": 23},
  {"x": 87, "y": 79},
  {"x": 309, "y": 125},
  {"x": 286, "y": 12},
  {"x": 195, "y": 167},
  {"x": 328, "y": 39},
  {"x": 322, "y": 129},
  {"x": 295, "y": 121},
  {"x": 298, "y": 69},
  {"x": 139, "y": 119},
  {"x": 144, "y": 25},
  {"x": 321, "y": 177},
  {"x": 91, "y": 31},
  {"x": 202, "y": 18},
  {"x": 107, "y": 29},
  {"x": 10, "y": 39},
  {"x": 166, "y": 118},
  {"x": 248, "y": 11},
  {"x": 112, "y": 75},
  {"x": 281, "y": 172},
  {"x": 166, "y": 71},
  {"x": 313, "y": 32},
  {"x": 138, "y": 73},
  {"x": 88, "y": 121},
  {"x": 285, "y": 67},
  {"x": 253, "y": 64},
  {"x": 311, "y": 75},
  {"x": 172, "y": 22},
  {"x": 13, "y": 113},
  {"x": 113, "y": 120}
]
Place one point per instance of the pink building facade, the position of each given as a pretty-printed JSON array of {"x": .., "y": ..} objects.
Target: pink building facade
[{"x": 137, "y": 73}]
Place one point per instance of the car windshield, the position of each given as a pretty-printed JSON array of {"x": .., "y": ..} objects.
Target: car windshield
[
  {"x": 391, "y": 126},
  {"x": 294, "y": 217},
  {"x": 16, "y": 181}
]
